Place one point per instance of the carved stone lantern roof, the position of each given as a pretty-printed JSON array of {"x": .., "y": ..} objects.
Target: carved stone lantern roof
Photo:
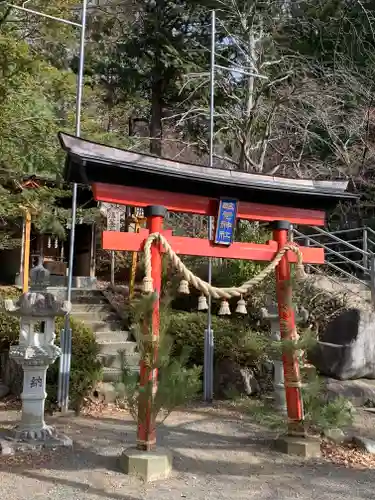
[{"x": 38, "y": 305}]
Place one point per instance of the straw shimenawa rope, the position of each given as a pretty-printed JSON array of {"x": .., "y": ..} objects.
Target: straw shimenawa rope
[{"x": 203, "y": 286}]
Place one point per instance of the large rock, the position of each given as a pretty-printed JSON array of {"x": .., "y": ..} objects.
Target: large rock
[
  {"x": 232, "y": 379},
  {"x": 358, "y": 392},
  {"x": 346, "y": 350}
]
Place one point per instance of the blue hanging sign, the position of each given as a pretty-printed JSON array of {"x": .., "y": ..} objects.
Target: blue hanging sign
[{"x": 226, "y": 221}]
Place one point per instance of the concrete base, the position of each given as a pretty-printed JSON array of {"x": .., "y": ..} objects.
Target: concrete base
[
  {"x": 147, "y": 465},
  {"x": 308, "y": 447}
]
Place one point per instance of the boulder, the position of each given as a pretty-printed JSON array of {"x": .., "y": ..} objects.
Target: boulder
[
  {"x": 104, "y": 392},
  {"x": 335, "y": 435},
  {"x": 365, "y": 444},
  {"x": 233, "y": 379},
  {"x": 346, "y": 349},
  {"x": 358, "y": 392}
]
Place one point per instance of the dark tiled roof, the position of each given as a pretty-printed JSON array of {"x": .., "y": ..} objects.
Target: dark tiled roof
[{"x": 89, "y": 162}]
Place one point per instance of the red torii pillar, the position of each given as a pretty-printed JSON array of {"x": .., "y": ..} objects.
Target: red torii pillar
[{"x": 146, "y": 438}]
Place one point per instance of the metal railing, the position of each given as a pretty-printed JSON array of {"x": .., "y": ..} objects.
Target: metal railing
[{"x": 349, "y": 253}]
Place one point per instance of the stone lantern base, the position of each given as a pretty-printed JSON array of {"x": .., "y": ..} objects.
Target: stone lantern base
[
  {"x": 32, "y": 432},
  {"x": 11, "y": 443}
]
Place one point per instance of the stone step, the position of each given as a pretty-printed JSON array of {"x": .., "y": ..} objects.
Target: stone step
[
  {"x": 94, "y": 300},
  {"x": 116, "y": 361},
  {"x": 114, "y": 374},
  {"x": 91, "y": 308},
  {"x": 108, "y": 336},
  {"x": 80, "y": 282},
  {"x": 77, "y": 294},
  {"x": 109, "y": 348},
  {"x": 95, "y": 316},
  {"x": 99, "y": 326},
  {"x": 86, "y": 292}
]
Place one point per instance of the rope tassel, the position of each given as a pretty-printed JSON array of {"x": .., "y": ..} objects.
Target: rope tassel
[
  {"x": 147, "y": 285},
  {"x": 224, "y": 308},
  {"x": 202, "y": 303},
  {"x": 184, "y": 287},
  {"x": 300, "y": 272},
  {"x": 241, "y": 307}
]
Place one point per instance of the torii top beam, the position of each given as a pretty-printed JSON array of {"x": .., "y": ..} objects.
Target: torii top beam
[{"x": 129, "y": 178}]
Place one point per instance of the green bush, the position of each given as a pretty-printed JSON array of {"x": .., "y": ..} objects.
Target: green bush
[
  {"x": 234, "y": 272},
  {"x": 321, "y": 414},
  {"x": 85, "y": 365},
  {"x": 9, "y": 325},
  {"x": 233, "y": 339}
]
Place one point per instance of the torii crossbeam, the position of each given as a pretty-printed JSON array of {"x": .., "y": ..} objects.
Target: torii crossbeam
[{"x": 158, "y": 185}]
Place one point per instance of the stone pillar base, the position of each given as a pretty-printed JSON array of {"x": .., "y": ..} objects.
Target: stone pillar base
[
  {"x": 25, "y": 433},
  {"x": 147, "y": 465},
  {"x": 12, "y": 443},
  {"x": 306, "y": 447}
]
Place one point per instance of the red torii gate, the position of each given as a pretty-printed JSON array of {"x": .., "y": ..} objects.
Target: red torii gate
[
  {"x": 126, "y": 178},
  {"x": 201, "y": 247}
]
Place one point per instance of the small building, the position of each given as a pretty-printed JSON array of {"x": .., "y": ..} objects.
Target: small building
[{"x": 55, "y": 250}]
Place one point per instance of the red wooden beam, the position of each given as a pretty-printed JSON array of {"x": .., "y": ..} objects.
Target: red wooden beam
[
  {"x": 134, "y": 242},
  {"x": 177, "y": 202}
]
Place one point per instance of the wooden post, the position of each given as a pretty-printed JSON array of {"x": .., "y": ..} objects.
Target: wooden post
[
  {"x": 93, "y": 250},
  {"x": 146, "y": 436},
  {"x": 22, "y": 250},
  {"x": 112, "y": 268},
  {"x": 287, "y": 330},
  {"x": 133, "y": 273},
  {"x": 133, "y": 270},
  {"x": 26, "y": 256}
]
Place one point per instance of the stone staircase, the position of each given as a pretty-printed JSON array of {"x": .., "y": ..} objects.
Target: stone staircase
[{"x": 93, "y": 309}]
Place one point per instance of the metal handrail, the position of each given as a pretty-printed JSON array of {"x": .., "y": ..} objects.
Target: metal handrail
[
  {"x": 333, "y": 251},
  {"x": 327, "y": 243},
  {"x": 338, "y": 251},
  {"x": 351, "y": 276},
  {"x": 336, "y": 238},
  {"x": 341, "y": 231},
  {"x": 369, "y": 229}
]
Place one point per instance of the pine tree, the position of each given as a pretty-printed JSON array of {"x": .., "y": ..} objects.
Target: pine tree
[
  {"x": 177, "y": 385},
  {"x": 148, "y": 55}
]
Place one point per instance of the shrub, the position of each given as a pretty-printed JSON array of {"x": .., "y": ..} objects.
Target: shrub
[
  {"x": 321, "y": 414},
  {"x": 233, "y": 272},
  {"x": 9, "y": 325},
  {"x": 85, "y": 365},
  {"x": 178, "y": 384},
  {"x": 233, "y": 339}
]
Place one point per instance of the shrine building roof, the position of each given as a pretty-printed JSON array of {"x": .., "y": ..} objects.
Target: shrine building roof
[{"x": 89, "y": 163}]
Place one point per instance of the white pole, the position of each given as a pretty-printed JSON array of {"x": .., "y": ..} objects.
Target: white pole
[
  {"x": 67, "y": 354},
  {"x": 209, "y": 339}
]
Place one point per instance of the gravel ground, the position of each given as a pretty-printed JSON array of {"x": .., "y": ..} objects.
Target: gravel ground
[{"x": 217, "y": 455}]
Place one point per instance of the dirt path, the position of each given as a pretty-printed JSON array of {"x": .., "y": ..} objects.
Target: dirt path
[{"x": 217, "y": 455}]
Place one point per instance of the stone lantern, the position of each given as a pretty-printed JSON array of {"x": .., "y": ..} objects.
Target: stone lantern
[{"x": 36, "y": 351}]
